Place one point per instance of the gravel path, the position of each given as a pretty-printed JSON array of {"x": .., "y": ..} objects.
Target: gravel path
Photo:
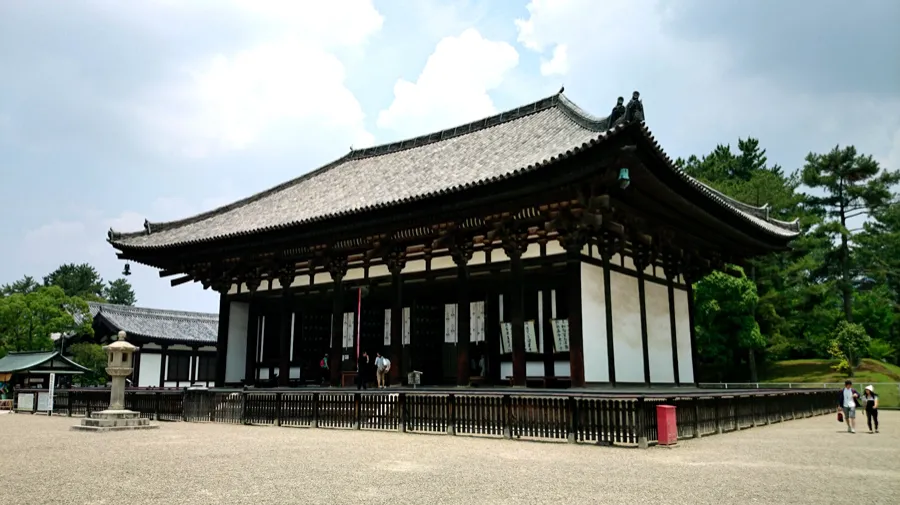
[{"x": 807, "y": 461}]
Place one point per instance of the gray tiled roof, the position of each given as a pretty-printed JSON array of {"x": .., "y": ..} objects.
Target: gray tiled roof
[
  {"x": 492, "y": 149},
  {"x": 168, "y": 325}
]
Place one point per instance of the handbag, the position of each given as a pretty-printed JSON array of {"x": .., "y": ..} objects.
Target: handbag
[{"x": 840, "y": 417}]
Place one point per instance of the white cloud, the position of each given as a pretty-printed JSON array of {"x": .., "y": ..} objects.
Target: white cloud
[
  {"x": 81, "y": 239},
  {"x": 453, "y": 87},
  {"x": 292, "y": 81},
  {"x": 700, "y": 90},
  {"x": 558, "y": 63}
]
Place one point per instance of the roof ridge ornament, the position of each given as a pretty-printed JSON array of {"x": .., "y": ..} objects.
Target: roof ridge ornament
[
  {"x": 633, "y": 112},
  {"x": 147, "y": 226}
]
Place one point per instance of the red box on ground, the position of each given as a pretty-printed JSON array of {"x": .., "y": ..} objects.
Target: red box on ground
[{"x": 667, "y": 425}]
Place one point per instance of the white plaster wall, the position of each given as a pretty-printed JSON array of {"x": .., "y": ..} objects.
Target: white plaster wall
[
  {"x": 149, "y": 370},
  {"x": 294, "y": 373},
  {"x": 264, "y": 374},
  {"x": 532, "y": 369},
  {"x": 683, "y": 335},
  {"x": 659, "y": 333},
  {"x": 236, "y": 359},
  {"x": 626, "y": 311},
  {"x": 562, "y": 369},
  {"x": 593, "y": 317}
]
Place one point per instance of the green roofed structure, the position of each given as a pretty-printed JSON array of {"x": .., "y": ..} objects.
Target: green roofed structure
[{"x": 33, "y": 369}]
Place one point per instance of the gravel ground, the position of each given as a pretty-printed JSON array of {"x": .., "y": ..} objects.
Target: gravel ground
[{"x": 807, "y": 461}]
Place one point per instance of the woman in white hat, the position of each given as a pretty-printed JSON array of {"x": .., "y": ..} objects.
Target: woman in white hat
[{"x": 871, "y": 407}]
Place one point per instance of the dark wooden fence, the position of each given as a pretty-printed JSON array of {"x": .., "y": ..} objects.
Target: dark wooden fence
[{"x": 599, "y": 418}]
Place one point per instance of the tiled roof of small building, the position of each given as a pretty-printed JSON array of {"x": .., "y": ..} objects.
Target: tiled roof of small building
[
  {"x": 477, "y": 153},
  {"x": 167, "y": 325}
]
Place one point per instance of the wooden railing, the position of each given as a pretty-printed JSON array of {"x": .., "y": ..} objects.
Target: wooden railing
[{"x": 600, "y": 418}]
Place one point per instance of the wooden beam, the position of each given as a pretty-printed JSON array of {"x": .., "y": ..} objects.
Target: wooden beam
[{"x": 181, "y": 280}]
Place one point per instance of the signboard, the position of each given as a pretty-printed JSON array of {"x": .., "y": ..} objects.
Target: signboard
[
  {"x": 25, "y": 402},
  {"x": 387, "y": 327},
  {"x": 44, "y": 401},
  {"x": 52, "y": 389}
]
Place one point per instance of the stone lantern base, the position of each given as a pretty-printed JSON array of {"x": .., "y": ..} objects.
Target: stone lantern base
[{"x": 114, "y": 420}]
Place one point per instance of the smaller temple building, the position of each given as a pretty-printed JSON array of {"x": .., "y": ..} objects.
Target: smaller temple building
[
  {"x": 33, "y": 369},
  {"x": 177, "y": 348}
]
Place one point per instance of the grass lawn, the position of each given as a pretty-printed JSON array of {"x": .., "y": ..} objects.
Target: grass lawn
[{"x": 818, "y": 372}]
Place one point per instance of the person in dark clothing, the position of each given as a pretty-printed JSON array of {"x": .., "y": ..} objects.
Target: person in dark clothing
[
  {"x": 362, "y": 371},
  {"x": 871, "y": 407},
  {"x": 324, "y": 371}
]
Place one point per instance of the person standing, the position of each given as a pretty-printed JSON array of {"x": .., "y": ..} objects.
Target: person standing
[
  {"x": 362, "y": 371},
  {"x": 323, "y": 370},
  {"x": 848, "y": 401},
  {"x": 379, "y": 370},
  {"x": 871, "y": 407}
]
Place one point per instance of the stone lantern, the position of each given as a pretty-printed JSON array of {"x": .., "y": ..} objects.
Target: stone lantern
[{"x": 119, "y": 365}]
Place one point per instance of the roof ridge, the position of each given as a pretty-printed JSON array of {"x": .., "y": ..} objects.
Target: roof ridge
[
  {"x": 113, "y": 307},
  {"x": 567, "y": 106}
]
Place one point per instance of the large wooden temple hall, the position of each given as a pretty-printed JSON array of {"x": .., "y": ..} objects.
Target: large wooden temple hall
[{"x": 539, "y": 246}]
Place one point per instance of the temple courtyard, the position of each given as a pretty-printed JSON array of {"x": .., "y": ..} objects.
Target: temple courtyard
[{"x": 805, "y": 461}]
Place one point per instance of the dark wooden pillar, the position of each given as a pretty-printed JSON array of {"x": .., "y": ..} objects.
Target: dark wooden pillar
[
  {"x": 337, "y": 267},
  {"x": 284, "y": 342},
  {"x": 640, "y": 262},
  {"x": 462, "y": 253},
  {"x": 547, "y": 329},
  {"x": 396, "y": 260},
  {"x": 136, "y": 364},
  {"x": 284, "y": 337},
  {"x": 695, "y": 358},
  {"x": 163, "y": 354},
  {"x": 671, "y": 273},
  {"x": 606, "y": 251},
  {"x": 252, "y": 335},
  {"x": 514, "y": 245},
  {"x": 222, "y": 340},
  {"x": 492, "y": 333},
  {"x": 573, "y": 242}
]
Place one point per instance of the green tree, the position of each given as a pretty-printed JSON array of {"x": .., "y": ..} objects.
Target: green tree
[
  {"x": 27, "y": 321},
  {"x": 90, "y": 356},
  {"x": 120, "y": 292},
  {"x": 81, "y": 280},
  {"x": 850, "y": 344},
  {"x": 853, "y": 185},
  {"x": 725, "y": 321},
  {"x": 23, "y": 286}
]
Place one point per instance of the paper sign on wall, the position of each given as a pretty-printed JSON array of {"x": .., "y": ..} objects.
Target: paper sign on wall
[
  {"x": 561, "y": 335},
  {"x": 476, "y": 311},
  {"x": 450, "y": 335},
  {"x": 505, "y": 338},
  {"x": 387, "y": 327},
  {"x": 406, "y": 325},
  {"x": 530, "y": 337}
]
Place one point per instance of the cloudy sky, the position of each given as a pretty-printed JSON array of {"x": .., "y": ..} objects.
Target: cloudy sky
[{"x": 112, "y": 111}]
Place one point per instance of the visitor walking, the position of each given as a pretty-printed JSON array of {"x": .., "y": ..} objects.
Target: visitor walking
[
  {"x": 871, "y": 407},
  {"x": 847, "y": 404}
]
